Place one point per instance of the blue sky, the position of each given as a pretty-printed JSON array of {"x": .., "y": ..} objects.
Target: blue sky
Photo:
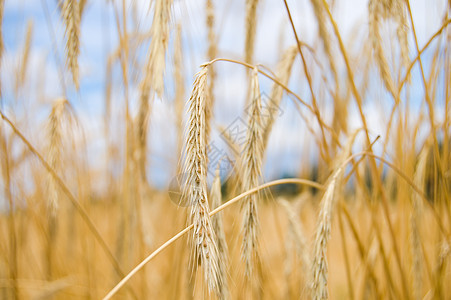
[{"x": 290, "y": 141}]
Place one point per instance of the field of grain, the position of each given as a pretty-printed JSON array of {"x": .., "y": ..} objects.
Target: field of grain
[{"x": 238, "y": 149}]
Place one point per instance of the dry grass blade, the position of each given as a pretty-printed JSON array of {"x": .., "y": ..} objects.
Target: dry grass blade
[
  {"x": 203, "y": 242},
  {"x": 71, "y": 18},
  {"x": 252, "y": 164}
]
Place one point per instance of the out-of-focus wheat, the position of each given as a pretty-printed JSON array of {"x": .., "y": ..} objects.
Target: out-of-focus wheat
[
  {"x": 20, "y": 79},
  {"x": 71, "y": 18},
  {"x": 218, "y": 227},
  {"x": 415, "y": 223},
  {"x": 378, "y": 11},
  {"x": 153, "y": 78},
  {"x": 319, "y": 11},
  {"x": 179, "y": 80},
  {"x": 283, "y": 73},
  {"x": 55, "y": 137},
  {"x": 211, "y": 54},
  {"x": 251, "y": 29}
]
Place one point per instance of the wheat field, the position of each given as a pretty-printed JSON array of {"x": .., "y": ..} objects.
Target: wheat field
[{"x": 174, "y": 149}]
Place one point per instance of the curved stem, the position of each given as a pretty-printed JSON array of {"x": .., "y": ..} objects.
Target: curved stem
[
  {"x": 213, "y": 212},
  {"x": 263, "y": 186},
  {"x": 274, "y": 79}
]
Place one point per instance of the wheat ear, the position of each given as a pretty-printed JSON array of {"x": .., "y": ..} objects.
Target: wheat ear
[
  {"x": 71, "y": 17},
  {"x": 318, "y": 9},
  {"x": 81, "y": 7},
  {"x": 296, "y": 232},
  {"x": 20, "y": 79},
  {"x": 399, "y": 14},
  {"x": 319, "y": 265},
  {"x": 322, "y": 235},
  {"x": 252, "y": 162},
  {"x": 375, "y": 12},
  {"x": 55, "y": 136},
  {"x": 154, "y": 70},
  {"x": 153, "y": 75},
  {"x": 203, "y": 242}
]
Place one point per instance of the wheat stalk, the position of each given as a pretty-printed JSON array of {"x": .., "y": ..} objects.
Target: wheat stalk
[
  {"x": 71, "y": 18},
  {"x": 415, "y": 224},
  {"x": 203, "y": 242},
  {"x": 297, "y": 234},
  {"x": 283, "y": 73},
  {"x": 218, "y": 227},
  {"x": 319, "y": 11},
  {"x": 251, "y": 29},
  {"x": 211, "y": 54},
  {"x": 179, "y": 87},
  {"x": 252, "y": 162}
]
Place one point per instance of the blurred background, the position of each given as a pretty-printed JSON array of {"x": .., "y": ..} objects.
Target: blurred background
[{"x": 34, "y": 44}]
